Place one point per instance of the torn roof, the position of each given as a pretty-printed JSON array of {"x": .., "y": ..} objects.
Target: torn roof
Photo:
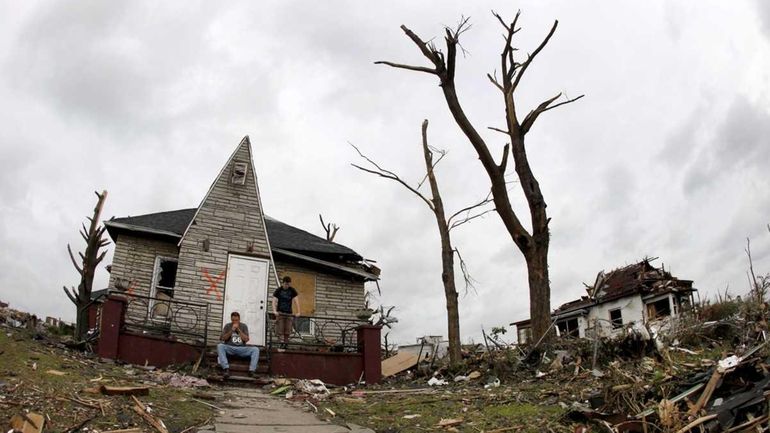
[
  {"x": 639, "y": 278},
  {"x": 172, "y": 224},
  {"x": 642, "y": 278}
]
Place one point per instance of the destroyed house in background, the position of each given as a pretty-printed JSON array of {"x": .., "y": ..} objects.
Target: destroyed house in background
[
  {"x": 178, "y": 275},
  {"x": 635, "y": 293}
]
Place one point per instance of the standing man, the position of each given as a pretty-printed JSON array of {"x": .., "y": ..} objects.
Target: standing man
[
  {"x": 235, "y": 335},
  {"x": 285, "y": 297}
]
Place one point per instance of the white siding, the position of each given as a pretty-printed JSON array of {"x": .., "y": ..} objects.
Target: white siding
[{"x": 632, "y": 310}]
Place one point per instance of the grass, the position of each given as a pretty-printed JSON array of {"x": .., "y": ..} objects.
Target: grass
[
  {"x": 27, "y": 385},
  {"x": 479, "y": 410}
]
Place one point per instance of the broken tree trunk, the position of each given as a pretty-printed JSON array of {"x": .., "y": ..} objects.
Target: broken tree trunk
[
  {"x": 445, "y": 225},
  {"x": 90, "y": 259},
  {"x": 447, "y": 254}
]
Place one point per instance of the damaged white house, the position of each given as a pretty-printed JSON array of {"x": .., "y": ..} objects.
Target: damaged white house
[{"x": 634, "y": 293}]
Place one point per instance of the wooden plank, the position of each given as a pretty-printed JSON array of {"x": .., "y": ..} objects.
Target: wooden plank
[
  {"x": 28, "y": 423},
  {"x": 125, "y": 390},
  {"x": 306, "y": 287},
  {"x": 398, "y": 363}
]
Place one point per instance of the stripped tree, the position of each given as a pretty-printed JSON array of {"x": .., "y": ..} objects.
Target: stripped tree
[
  {"x": 89, "y": 260},
  {"x": 445, "y": 226},
  {"x": 331, "y": 229},
  {"x": 532, "y": 243}
]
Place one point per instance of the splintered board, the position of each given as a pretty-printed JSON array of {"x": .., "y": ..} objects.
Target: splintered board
[
  {"x": 28, "y": 423},
  {"x": 398, "y": 363}
]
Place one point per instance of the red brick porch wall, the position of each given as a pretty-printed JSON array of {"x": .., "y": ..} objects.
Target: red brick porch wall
[{"x": 330, "y": 367}]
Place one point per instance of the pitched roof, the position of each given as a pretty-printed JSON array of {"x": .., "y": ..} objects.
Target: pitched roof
[{"x": 172, "y": 224}]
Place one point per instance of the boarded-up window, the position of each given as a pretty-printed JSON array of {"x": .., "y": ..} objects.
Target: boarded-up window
[{"x": 306, "y": 287}]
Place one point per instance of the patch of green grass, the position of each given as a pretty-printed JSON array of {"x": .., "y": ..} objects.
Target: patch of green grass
[{"x": 479, "y": 410}]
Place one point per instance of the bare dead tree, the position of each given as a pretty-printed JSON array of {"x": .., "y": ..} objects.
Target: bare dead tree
[
  {"x": 532, "y": 244},
  {"x": 758, "y": 285},
  {"x": 87, "y": 267},
  {"x": 330, "y": 229},
  {"x": 445, "y": 226}
]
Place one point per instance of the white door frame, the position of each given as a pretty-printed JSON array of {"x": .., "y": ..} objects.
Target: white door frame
[{"x": 257, "y": 325}]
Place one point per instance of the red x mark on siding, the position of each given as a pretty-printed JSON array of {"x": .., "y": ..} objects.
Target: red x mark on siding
[{"x": 213, "y": 282}]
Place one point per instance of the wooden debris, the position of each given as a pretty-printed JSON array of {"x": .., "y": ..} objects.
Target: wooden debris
[
  {"x": 141, "y": 409},
  {"x": 208, "y": 404},
  {"x": 28, "y": 423},
  {"x": 449, "y": 422},
  {"x": 331, "y": 412},
  {"x": 125, "y": 390},
  {"x": 398, "y": 363},
  {"x": 56, "y": 372}
]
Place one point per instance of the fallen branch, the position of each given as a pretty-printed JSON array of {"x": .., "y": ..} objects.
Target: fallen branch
[
  {"x": 696, "y": 423},
  {"x": 141, "y": 409}
]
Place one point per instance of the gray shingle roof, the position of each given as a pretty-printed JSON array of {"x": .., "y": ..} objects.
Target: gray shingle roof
[{"x": 281, "y": 235}]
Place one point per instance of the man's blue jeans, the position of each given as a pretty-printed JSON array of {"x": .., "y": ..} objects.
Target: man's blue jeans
[{"x": 243, "y": 351}]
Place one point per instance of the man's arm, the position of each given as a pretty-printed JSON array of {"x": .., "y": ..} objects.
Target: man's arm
[
  {"x": 295, "y": 301},
  {"x": 244, "y": 333},
  {"x": 227, "y": 332},
  {"x": 275, "y": 306}
]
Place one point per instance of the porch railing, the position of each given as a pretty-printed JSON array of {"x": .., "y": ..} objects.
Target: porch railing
[
  {"x": 317, "y": 333},
  {"x": 167, "y": 317}
]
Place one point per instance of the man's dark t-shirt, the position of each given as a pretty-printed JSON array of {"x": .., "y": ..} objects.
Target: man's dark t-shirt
[
  {"x": 285, "y": 297},
  {"x": 235, "y": 338}
]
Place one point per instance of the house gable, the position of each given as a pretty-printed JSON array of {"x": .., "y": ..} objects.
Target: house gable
[{"x": 229, "y": 220}]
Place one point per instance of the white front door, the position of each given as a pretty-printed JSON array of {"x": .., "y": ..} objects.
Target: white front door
[{"x": 246, "y": 293}]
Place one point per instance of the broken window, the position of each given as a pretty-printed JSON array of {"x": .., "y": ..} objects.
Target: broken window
[
  {"x": 163, "y": 287},
  {"x": 616, "y": 318},
  {"x": 239, "y": 173},
  {"x": 659, "y": 308},
  {"x": 568, "y": 327}
]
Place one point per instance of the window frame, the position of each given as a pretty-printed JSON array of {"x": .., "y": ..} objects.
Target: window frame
[
  {"x": 156, "y": 270},
  {"x": 616, "y": 324}
]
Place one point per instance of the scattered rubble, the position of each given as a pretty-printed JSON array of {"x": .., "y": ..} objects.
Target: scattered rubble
[
  {"x": 671, "y": 376},
  {"x": 75, "y": 391}
]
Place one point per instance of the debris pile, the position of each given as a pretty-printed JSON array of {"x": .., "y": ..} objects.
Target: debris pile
[{"x": 706, "y": 370}]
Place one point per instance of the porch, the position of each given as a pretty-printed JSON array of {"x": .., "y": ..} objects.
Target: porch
[{"x": 335, "y": 350}]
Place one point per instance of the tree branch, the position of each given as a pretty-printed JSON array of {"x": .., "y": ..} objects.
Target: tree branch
[
  {"x": 542, "y": 108},
  {"x": 74, "y": 262},
  {"x": 532, "y": 56},
  {"x": 469, "y": 281},
  {"x": 487, "y": 199},
  {"x": 388, "y": 175},
  {"x": 470, "y": 218},
  {"x": 407, "y": 67},
  {"x": 69, "y": 295},
  {"x": 442, "y": 154}
]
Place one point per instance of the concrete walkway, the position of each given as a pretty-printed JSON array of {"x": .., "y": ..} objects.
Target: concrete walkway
[{"x": 254, "y": 411}]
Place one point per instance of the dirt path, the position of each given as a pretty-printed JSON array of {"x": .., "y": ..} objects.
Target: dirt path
[{"x": 254, "y": 411}]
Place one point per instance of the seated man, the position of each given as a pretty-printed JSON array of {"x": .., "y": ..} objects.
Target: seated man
[{"x": 235, "y": 335}]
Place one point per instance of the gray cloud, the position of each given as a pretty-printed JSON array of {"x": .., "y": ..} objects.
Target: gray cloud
[{"x": 739, "y": 143}]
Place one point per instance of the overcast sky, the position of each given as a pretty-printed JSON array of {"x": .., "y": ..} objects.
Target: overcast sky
[{"x": 666, "y": 156}]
